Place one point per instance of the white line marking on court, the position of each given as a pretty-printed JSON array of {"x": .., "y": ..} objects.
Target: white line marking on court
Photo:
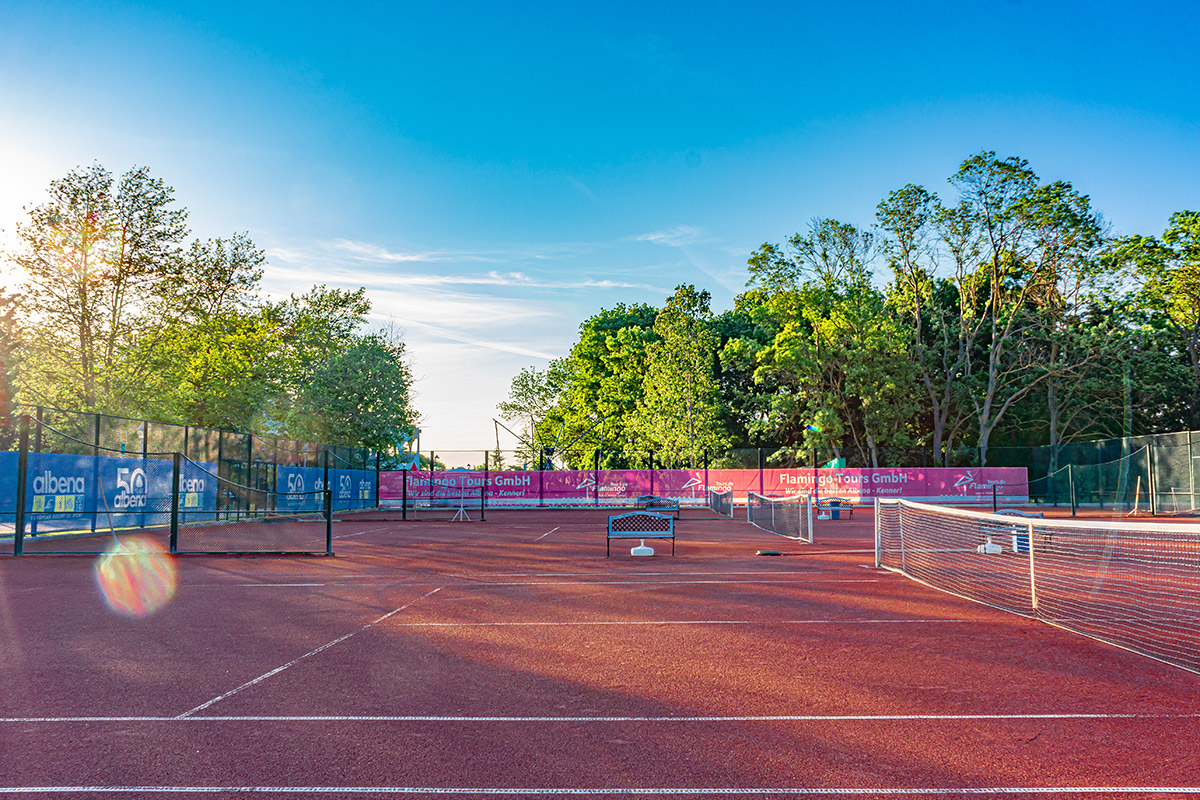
[
  {"x": 547, "y": 533},
  {"x": 660, "y": 583},
  {"x": 277, "y": 584},
  {"x": 294, "y": 661},
  {"x": 623, "y": 791},
  {"x": 615, "y": 719},
  {"x": 687, "y": 622},
  {"x": 360, "y": 533}
]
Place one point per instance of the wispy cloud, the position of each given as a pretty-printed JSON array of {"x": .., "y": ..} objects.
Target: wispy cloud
[
  {"x": 350, "y": 250},
  {"x": 679, "y": 236},
  {"x": 322, "y": 264}
]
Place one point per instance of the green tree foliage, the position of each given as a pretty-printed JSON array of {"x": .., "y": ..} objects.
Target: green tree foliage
[
  {"x": 90, "y": 255},
  {"x": 358, "y": 394},
  {"x": 10, "y": 340},
  {"x": 678, "y": 416},
  {"x": 1009, "y": 316},
  {"x": 122, "y": 317}
]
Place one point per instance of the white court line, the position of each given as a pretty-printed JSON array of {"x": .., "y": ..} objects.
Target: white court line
[
  {"x": 294, "y": 661},
  {"x": 613, "y": 720},
  {"x": 547, "y": 533},
  {"x": 687, "y": 622},
  {"x": 360, "y": 533},
  {"x": 660, "y": 583},
  {"x": 599, "y": 791},
  {"x": 235, "y": 585}
]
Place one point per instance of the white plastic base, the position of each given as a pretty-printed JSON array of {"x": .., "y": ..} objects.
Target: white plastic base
[
  {"x": 642, "y": 550},
  {"x": 990, "y": 548}
]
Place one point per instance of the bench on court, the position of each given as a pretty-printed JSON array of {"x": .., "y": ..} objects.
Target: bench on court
[
  {"x": 834, "y": 508},
  {"x": 639, "y": 525}
]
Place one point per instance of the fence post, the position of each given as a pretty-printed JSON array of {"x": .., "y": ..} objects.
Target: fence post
[
  {"x": 651, "y": 472},
  {"x": 706, "y": 474},
  {"x": 95, "y": 464},
  {"x": 325, "y": 473},
  {"x": 995, "y": 499},
  {"x": 404, "y": 492},
  {"x": 483, "y": 503},
  {"x": 22, "y": 487},
  {"x": 377, "y": 479},
  {"x": 761, "y": 485},
  {"x": 328, "y": 521},
  {"x": 174, "y": 547},
  {"x": 542, "y": 477}
]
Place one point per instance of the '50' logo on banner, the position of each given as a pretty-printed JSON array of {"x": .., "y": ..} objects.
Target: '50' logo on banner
[{"x": 131, "y": 488}]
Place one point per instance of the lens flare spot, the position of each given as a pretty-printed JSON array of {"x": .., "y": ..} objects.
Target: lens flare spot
[{"x": 136, "y": 576}]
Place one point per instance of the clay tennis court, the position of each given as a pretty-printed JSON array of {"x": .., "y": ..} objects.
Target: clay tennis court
[{"x": 511, "y": 658}]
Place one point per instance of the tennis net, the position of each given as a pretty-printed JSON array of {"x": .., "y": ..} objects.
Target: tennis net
[
  {"x": 1134, "y": 585},
  {"x": 721, "y": 502},
  {"x": 787, "y": 516}
]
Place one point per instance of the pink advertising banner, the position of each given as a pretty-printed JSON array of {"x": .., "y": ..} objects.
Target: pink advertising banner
[{"x": 614, "y": 487}]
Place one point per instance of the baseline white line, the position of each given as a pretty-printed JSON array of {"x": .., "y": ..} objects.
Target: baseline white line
[
  {"x": 547, "y": 533},
  {"x": 614, "y": 720},
  {"x": 660, "y": 583},
  {"x": 687, "y": 622},
  {"x": 622, "y": 791},
  {"x": 297, "y": 660}
]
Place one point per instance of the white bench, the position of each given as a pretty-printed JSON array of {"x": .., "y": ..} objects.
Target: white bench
[{"x": 639, "y": 525}]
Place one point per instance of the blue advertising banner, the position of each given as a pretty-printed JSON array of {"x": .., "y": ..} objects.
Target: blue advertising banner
[
  {"x": 78, "y": 493},
  {"x": 352, "y": 488}
]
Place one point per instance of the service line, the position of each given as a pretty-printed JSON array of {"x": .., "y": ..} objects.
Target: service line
[{"x": 298, "y": 659}]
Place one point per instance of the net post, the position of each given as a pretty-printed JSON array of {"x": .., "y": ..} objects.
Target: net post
[
  {"x": 1153, "y": 482},
  {"x": 808, "y": 512},
  {"x": 761, "y": 487},
  {"x": 1032, "y": 574},
  {"x": 404, "y": 492},
  {"x": 175, "y": 467},
  {"x": 22, "y": 486},
  {"x": 1071, "y": 486},
  {"x": 327, "y": 497},
  {"x": 878, "y": 538}
]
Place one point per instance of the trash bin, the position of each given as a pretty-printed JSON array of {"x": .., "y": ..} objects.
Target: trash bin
[{"x": 835, "y": 509}]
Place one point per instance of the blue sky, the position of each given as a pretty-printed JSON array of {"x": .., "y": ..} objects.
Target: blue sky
[{"x": 495, "y": 173}]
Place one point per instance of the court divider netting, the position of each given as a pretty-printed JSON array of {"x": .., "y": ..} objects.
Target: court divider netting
[
  {"x": 721, "y": 502},
  {"x": 78, "y": 498},
  {"x": 1135, "y": 585},
  {"x": 789, "y": 516}
]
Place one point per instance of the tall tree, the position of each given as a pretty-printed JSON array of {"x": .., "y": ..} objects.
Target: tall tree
[
  {"x": 91, "y": 254},
  {"x": 679, "y": 415},
  {"x": 1170, "y": 269}
]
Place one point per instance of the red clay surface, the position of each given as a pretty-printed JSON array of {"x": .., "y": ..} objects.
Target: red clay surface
[{"x": 511, "y": 658}]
